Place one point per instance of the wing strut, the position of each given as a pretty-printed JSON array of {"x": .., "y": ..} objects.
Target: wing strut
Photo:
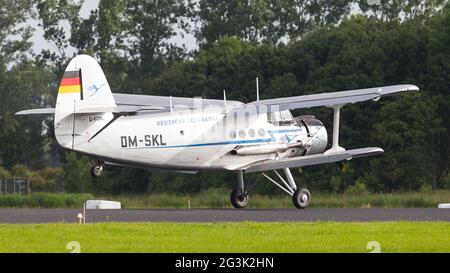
[
  {"x": 300, "y": 197},
  {"x": 286, "y": 189},
  {"x": 289, "y": 187},
  {"x": 335, "y": 148},
  {"x": 290, "y": 179}
]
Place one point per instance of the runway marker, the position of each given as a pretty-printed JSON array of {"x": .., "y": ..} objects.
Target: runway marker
[{"x": 79, "y": 218}]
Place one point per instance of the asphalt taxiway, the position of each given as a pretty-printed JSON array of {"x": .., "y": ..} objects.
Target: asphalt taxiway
[{"x": 24, "y": 216}]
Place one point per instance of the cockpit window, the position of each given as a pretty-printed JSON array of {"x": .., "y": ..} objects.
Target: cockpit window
[
  {"x": 282, "y": 118},
  {"x": 315, "y": 122}
]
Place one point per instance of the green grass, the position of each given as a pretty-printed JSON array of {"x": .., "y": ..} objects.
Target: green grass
[
  {"x": 220, "y": 199},
  {"x": 44, "y": 200},
  {"x": 228, "y": 237}
]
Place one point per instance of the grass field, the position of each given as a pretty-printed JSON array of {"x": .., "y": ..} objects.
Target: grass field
[
  {"x": 228, "y": 237},
  {"x": 220, "y": 199},
  {"x": 44, "y": 200}
]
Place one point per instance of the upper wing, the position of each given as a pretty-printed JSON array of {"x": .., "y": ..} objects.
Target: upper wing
[
  {"x": 127, "y": 103},
  {"x": 336, "y": 98},
  {"x": 296, "y": 162},
  {"x": 134, "y": 103},
  {"x": 166, "y": 102}
]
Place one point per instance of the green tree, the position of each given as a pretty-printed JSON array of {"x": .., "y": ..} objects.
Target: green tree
[
  {"x": 119, "y": 180},
  {"x": 76, "y": 176},
  {"x": 44, "y": 180},
  {"x": 437, "y": 80},
  {"x": 4, "y": 173},
  {"x": 14, "y": 35},
  {"x": 133, "y": 39},
  {"x": 390, "y": 10},
  {"x": 411, "y": 143},
  {"x": 20, "y": 171},
  {"x": 58, "y": 18},
  {"x": 265, "y": 21},
  {"x": 24, "y": 140}
]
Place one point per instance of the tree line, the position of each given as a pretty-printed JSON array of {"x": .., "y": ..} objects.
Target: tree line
[{"x": 294, "y": 47}]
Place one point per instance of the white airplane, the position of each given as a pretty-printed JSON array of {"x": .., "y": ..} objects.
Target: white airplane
[{"x": 190, "y": 135}]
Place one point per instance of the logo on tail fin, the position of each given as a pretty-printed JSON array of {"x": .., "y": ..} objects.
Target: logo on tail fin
[{"x": 94, "y": 89}]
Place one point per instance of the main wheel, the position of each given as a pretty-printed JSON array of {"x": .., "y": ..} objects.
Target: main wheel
[
  {"x": 301, "y": 198},
  {"x": 238, "y": 199},
  {"x": 96, "y": 171}
]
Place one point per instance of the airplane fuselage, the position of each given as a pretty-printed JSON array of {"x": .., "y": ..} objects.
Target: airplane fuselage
[{"x": 196, "y": 140}]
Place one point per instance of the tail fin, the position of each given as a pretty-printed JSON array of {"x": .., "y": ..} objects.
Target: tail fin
[
  {"x": 83, "y": 85},
  {"x": 84, "y": 81}
]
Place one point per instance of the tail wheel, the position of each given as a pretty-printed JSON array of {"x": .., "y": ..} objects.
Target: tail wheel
[
  {"x": 96, "y": 171},
  {"x": 301, "y": 198},
  {"x": 238, "y": 199}
]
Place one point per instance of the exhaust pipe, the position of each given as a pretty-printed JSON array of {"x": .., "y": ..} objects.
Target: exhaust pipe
[{"x": 265, "y": 149}]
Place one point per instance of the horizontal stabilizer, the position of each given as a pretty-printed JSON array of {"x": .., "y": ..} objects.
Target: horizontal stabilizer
[
  {"x": 41, "y": 111},
  {"x": 297, "y": 162}
]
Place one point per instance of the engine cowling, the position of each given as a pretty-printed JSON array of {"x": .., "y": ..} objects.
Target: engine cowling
[{"x": 316, "y": 138}]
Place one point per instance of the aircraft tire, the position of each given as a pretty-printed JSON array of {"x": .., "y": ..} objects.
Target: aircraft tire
[
  {"x": 301, "y": 198},
  {"x": 96, "y": 171},
  {"x": 238, "y": 200}
]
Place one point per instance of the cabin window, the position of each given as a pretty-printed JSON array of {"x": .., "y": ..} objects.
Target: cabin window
[
  {"x": 232, "y": 134},
  {"x": 251, "y": 133},
  {"x": 241, "y": 133},
  {"x": 282, "y": 118},
  {"x": 261, "y": 132}
]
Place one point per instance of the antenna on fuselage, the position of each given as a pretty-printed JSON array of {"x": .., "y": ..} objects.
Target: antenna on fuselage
[
  {"x": 170, "y": 103},
  {"x": 257, "y": 89}
]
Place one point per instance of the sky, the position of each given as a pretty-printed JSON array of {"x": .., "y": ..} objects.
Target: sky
[{"x": 39, "y": 43}]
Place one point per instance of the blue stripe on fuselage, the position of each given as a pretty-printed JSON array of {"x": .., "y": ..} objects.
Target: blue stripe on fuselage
[{"x": 260, "y": 140}]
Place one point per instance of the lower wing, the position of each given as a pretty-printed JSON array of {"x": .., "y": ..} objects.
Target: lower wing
[{"x": 296, "y": 162}]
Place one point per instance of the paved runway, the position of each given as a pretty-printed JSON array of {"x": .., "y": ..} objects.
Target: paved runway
[{"x": 224, "y": 215}]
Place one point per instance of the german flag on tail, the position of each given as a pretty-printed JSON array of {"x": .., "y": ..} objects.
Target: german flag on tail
[{"x": 71, "y": 83}]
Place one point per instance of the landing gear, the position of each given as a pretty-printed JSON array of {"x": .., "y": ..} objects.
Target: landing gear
[
  {"x": 239, "y": 195},
  {"x": 239, "y": 199},
  {"x": 97, "y": 168},
  {"x": 301, "y": 198},
  {"x": 96, "y": 171}
]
